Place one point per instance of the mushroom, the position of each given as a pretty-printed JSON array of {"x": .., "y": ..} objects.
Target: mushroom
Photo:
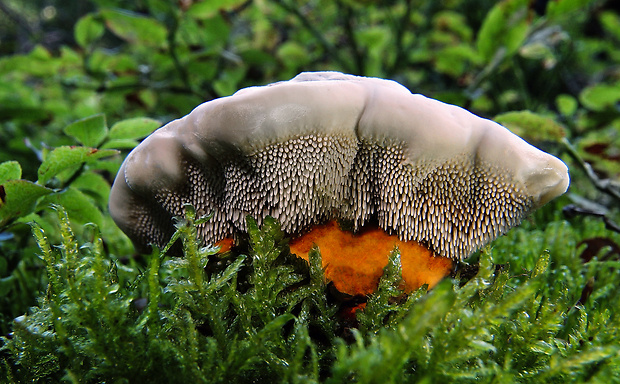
[{"x": 328, "y": 146}]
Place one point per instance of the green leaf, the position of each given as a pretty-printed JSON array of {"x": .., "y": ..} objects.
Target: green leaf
[
  {"x": 482, "y": 346},
  {"x": 560, "y": 8},
  {"x": 23, "y": 114},
  {"x": 454, "y": 59},
  {"x": 611, "y": 23},
  {"x": 600, "y": 97},
  {"x": 530, "y": 126},
  {"x": 505, "y": 26},
  {"x": 293, "y": 54},
  {"x": 79, "y": 206},
  {"x": 6, "y": 283},
  {"x": 38, "y": 62},
  {"x": 18, "y": 198},
  {"x": 10, "y": 170},
  {"x": 207, "y": 9},
  {"x": 537, "y": 50},
  {"x": 136, "y": 29},
  {"x": 65, "y": 157},
  {"x": 90, "y": 131},
  {"x": 94, "y": 185},
  {"x": 275, "y": 325},
  {"x": 228, "y": 81},
  {"x": 87, "y": 30},
  {"x": 135, "y": 128},
  {"x": 119, "y": 144},
  {"x": 566, "y": 104},
  {"x": 373, "y": 37},
  {"x": 229, "y": 273}
]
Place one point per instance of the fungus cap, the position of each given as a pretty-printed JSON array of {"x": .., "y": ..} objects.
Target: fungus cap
[{"x": 328, "y": 146}]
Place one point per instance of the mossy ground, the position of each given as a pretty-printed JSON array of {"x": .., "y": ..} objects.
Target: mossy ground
[{"x": 533, "y": 312}]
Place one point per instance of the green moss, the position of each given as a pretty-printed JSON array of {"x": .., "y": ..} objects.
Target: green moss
[
  {"x": 197, "y": 326},
  {"x": 209, "y": 317}
]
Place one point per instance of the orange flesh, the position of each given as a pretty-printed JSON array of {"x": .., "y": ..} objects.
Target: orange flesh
[
  {"x": 225, "y": 244},
  {"x": 355, "y": 262}
]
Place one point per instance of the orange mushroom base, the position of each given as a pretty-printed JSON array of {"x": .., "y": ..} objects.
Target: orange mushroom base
[{"x": 355, "y": 262}]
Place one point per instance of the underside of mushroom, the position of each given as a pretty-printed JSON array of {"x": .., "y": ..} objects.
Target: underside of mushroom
[{"x": 328, "y": 146}]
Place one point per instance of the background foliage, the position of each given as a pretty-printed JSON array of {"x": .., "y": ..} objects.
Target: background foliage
[{"x": 81, "y": 84}]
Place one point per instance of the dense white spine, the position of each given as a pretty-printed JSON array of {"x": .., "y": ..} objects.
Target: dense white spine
[{"x": 333, "y": 146}]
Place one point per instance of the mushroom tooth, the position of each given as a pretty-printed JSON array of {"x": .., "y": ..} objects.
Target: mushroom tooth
[{"x": 328, "y": 145}]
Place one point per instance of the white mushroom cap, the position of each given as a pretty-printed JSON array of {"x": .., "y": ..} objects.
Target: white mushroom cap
[{"x": 327, "y": 145}]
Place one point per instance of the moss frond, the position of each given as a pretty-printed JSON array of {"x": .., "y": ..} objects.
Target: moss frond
[{"x": 266, "y": 316}]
